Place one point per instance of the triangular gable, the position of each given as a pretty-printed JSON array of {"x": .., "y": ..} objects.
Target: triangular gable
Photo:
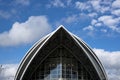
[{"x": 61, "y": 36}]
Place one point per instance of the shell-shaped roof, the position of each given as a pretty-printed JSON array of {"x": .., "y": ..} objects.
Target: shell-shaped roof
[{"x": 60, "y": 36}]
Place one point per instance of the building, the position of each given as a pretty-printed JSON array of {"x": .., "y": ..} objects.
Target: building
[{"x": 60, "y": 56}]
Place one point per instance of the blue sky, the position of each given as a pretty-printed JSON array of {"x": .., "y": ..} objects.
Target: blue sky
[{"x": 97, "y": 22}]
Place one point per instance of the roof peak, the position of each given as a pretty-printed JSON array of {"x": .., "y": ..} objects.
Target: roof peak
[{"x": 61, "y": 27}]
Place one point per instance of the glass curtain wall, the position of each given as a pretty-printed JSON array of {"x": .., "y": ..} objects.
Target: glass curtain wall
[{"x": 61, "y": 65}]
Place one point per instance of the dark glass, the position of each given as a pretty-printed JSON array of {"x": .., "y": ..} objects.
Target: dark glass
[{"x": 60, "y": 65}]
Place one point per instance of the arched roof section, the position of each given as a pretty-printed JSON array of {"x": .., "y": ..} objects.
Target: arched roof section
[{"x": 49, "y": 43}]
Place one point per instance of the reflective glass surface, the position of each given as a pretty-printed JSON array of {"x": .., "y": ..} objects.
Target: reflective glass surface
[{"x": 61, "y": 65}]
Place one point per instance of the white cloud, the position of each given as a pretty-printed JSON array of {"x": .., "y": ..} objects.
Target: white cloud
[
  {"x": 93, "y": 22},
  {"x": 60, "y": 3},
  {"x": 100, "y": 6},
  {"x": 32, "y": 29},
  {"x": 98, "y": 10},
  {"x": 110, "y": 22},
  {"x": 57, "y": 3},
  {"x": 82, "y": 6},
  {"x": 111, "y": 61},
  {"x": 92, "y": 15},
  {"x": 92, "y": 26},
  {"x": 7, "y": 71},
  {"x": 74, "y": 19},
  {"x": 92, "y": 6},
  {"x": 70, "y": 19},
  {"x": 106, "y": 14},
  {"x": 104, "y": 9},
  {"x": 89, "y": 28},
  {"x": 104, "y": 30},
  {"x": 107, "y": 20},
  {"x": 96, "y": 4},
  {"x": 116, "y": 4},
  {"x": 98, "y": 24},
  {"x": 116, "y": 12},
  {"x": 23, "y": 2}
]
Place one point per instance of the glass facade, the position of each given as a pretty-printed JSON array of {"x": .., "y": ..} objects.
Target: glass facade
[{"x": 61, "y": 65}]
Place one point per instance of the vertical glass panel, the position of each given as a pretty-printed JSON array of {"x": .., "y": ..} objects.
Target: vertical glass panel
[{"x": 61, "y": 65}]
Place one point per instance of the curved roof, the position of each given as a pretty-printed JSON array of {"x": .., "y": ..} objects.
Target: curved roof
[{"x": 61, "y": 36}]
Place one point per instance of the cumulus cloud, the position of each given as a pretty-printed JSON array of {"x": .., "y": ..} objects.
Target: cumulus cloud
[
  {"x": 93, "y": 15},
  {"x": 110, "y": 22},
  {"x": 91, "y": 26},
  {"x": 93, "y": 5},
  {"x": 7, "y": 71},
  {"x": 116, "y": 12},
  {"x": 111, "y": 62},
  {"x": 106, "y": 13},
  {"x": 88, "y": 28},
  {"x": 93, "y": 22},
  {"x": 104, "y": 30},
  {"x": 96, "y": 4},
  {"x": 116, "y": 4},
  {"x": 32, "y": 29}
]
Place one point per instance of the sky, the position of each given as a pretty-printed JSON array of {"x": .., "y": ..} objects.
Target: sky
[{"x": 23, "y": 22}]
